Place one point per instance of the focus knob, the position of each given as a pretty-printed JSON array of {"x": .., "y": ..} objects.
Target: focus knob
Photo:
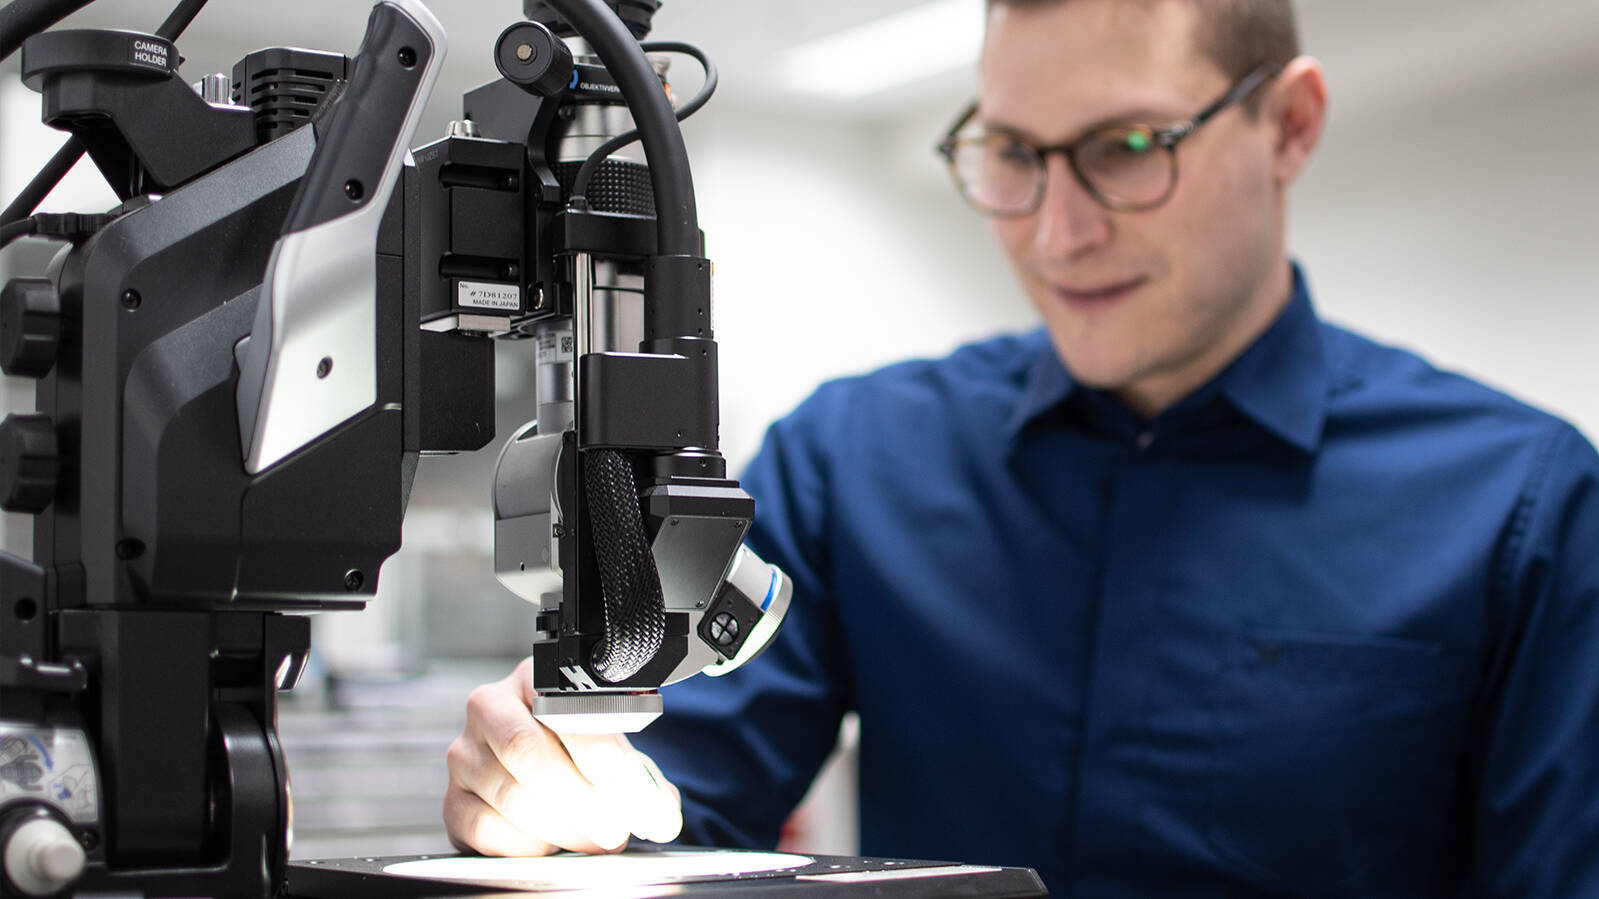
[
  {"x": 30, "y": 327},
  {"x": 532, "y": 58},
  {"x": 30, "y": 463},
  {"x": 42, "y": 857}
]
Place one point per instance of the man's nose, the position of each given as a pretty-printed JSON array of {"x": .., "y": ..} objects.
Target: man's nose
[{"x": 1070, "y": 221}]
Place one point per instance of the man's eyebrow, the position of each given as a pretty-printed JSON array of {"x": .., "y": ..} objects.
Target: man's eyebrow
[{"x": 1139, "y": 116}]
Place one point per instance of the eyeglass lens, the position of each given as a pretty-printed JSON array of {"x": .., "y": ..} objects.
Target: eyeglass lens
[{"x": 1124, "y": 166}]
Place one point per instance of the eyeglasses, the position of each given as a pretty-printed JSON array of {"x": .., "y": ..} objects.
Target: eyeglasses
[{"x": 1126, "y": 168}]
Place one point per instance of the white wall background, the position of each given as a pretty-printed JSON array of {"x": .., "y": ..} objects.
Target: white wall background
[{"x": 1455, "y": 208}]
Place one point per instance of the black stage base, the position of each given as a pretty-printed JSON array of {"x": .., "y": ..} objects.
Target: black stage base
[{"x": 829, "y": 876}]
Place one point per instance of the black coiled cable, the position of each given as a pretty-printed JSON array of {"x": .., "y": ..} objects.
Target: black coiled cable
[{"x": 580, "y": 185}]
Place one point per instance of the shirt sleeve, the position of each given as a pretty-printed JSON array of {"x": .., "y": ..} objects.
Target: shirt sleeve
[
  {"x": 744, "y": 747},
  {"x": 1537, "y": 803}
]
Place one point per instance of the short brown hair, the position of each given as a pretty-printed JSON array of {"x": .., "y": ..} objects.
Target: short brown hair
[{"x": 1238, "y": 35}]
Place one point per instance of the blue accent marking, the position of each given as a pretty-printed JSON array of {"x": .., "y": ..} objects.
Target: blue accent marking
[
  {"x": 771, "y": 591},
  {"x": 572, "y": 85},
  {"x": 48, "y": 765}
]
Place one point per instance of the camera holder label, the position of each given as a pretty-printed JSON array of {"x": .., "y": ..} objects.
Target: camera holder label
[{"x": 151, "y": 53}]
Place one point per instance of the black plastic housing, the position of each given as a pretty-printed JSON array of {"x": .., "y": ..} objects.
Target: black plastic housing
[
  {"x": 284, "y": 87},
  {"x": 103, "y": 86},
  {"x": 472, "y": 203}
]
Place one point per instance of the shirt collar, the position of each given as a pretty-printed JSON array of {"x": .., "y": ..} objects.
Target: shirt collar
[
  {"x": 1280, "y": 382},
  {"x": 1047, "y": 384}
]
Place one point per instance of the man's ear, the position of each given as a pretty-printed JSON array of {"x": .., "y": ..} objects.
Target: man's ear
[{"x": 1296, "y": 108}]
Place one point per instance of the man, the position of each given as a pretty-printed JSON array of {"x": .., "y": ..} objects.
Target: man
[{"x": 1187, "y": 594}]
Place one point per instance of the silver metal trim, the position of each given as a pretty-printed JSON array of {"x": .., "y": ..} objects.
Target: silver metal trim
[
  {"x": 554, "y": 384},
  {"x": 475, "y": 324},
  {"x": 596, "y": 713},
  {"x": 312, "y": 360},
  {"x": 583, "y": 305},
  {"x": 617, "y": 308},
  {"x": 526, "y": 553},
  {"x": 216, "y": 89}
]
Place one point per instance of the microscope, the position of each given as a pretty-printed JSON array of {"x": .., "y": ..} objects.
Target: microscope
[{"x": 240, "y": 364}]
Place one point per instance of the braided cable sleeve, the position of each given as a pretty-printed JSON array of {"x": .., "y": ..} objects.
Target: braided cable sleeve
[{"x": 635, "y": 612}]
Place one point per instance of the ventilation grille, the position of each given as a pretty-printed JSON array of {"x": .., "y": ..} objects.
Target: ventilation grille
[{"x": 285, "y": 87}]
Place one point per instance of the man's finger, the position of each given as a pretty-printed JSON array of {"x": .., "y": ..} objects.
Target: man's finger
[
  {"x": 628, "y": 784},
  {"x": 474, "y": 826},
  {"x": 545, "y": 792},
  {"x": 557, "y": 806},
  {"x": 668, "y": 821}
]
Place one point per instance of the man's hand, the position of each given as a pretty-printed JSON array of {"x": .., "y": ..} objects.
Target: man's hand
[{"x": 518, "y": 788}]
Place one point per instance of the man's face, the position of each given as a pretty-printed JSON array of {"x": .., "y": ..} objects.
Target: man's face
[{"x": 1149, "y": 304}]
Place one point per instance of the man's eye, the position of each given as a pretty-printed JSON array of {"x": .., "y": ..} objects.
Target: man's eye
[
  {"x": 1014, "y": 153},
  {"x": 1132, "y": 141}
]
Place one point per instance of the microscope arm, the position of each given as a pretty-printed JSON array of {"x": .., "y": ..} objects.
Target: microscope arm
[{"x": 310, "y": 361}]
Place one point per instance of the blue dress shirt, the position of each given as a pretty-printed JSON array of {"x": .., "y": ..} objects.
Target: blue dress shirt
[{"x": 1327, "y": 627}]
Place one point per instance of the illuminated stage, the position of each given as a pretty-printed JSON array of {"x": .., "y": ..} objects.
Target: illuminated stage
[{"x": 653, "y": 872}]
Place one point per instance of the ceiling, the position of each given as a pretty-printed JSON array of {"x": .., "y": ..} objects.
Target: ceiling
[
  {"x": 1378, "y": 52},
  {"x": 742, "y": 36}
]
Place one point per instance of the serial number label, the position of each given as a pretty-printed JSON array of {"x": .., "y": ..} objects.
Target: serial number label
[{"x": 484, "y": 295}]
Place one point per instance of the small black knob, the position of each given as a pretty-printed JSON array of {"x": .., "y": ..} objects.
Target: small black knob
[
  {"x": 30, "y": 327},
  {"x": 30, "y": 463},
  {"x": 532, "y": 58}
]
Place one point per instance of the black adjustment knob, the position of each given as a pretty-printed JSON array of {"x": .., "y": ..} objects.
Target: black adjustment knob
[
  {"x": 534, "y": 59},
  {"x": 30, "y": 327},
  {"x": 30, "y": 463}
]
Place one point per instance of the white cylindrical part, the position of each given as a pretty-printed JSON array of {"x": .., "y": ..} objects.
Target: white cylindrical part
[{"x": 42, "y": 857}]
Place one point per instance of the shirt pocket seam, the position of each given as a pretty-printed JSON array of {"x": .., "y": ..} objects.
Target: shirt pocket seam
[{"x": 1372, "y": 683}]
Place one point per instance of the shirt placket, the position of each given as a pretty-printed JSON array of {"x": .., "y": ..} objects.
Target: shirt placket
[{"x": 1118, "y": 669}]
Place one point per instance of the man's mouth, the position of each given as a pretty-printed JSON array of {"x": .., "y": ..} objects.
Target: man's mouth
[{"x": 1097, "y": 294}]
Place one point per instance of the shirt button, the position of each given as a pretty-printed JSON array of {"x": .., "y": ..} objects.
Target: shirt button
[{"x": 1143, "y": 440}]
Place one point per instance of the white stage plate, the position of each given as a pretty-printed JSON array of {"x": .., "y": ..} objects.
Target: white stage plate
[{"x": 570, "y": 872}]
